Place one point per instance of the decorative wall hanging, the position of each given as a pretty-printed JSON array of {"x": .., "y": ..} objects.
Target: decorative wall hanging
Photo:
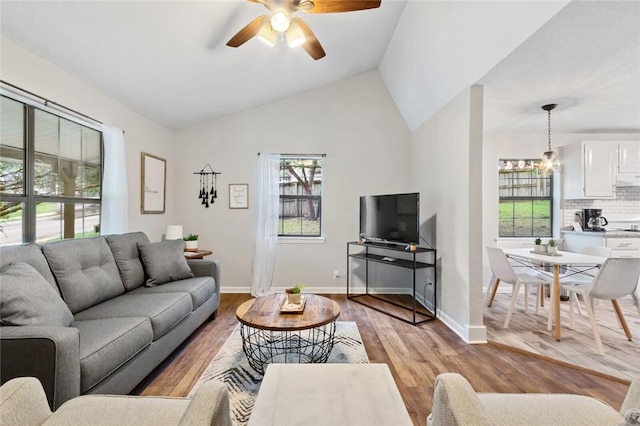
[
  {"x": 238, "y": 195},
  {"x": 208, "y": 185},
  {"x": 153, "y": 184}
]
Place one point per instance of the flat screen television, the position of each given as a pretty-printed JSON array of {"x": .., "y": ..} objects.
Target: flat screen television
[{"x": 392, "y": 218}]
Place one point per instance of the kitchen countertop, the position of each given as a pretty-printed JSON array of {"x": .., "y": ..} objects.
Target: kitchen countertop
[{"x": 606, "y": 234}]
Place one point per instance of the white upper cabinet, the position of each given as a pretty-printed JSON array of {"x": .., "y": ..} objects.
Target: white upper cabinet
[
  {"x": 629, "y": 157},
  {"x": 589, "y": 170}
]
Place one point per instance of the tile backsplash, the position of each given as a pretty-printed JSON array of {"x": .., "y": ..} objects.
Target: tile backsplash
[{"x": 627, "y": 201}]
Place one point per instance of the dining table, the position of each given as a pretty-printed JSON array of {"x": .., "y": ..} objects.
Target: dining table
[{"x": 558, "y": 260}]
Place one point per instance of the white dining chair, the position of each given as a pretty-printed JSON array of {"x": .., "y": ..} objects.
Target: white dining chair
[
  {"x": 616, "y": 278},
  {"x": 504, "y": 273},
  {"x": 583, "y": 274}
]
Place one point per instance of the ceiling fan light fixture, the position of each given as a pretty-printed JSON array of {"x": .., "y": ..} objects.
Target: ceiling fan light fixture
[
  {"x": 280, "y": 20},
  {"x": 267, "y": 35},
  {"x": 295, "y": 35}
]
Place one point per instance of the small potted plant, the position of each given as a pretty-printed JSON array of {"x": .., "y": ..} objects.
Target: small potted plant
[
  {"x": 294, "y": 294},
  {"x": 538, "y": 246},
  {"x": 413, "y": 246},
  {"x": 552, "y": 247},
  {"x": 191, "y": 242}
]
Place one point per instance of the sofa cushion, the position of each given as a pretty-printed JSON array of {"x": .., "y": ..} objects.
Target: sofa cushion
[
  {"x": 164, "y": 310},
  {"x": 106, "y": 344},
  {"x": 199, "y": 288},
  {"x": 85, "y": 270},
  {"x": 31, "y": 254},
  {"x": 164, "y": 262},
  {"x": 26, "y": 298},
  {"x": 125, "y": 251}
]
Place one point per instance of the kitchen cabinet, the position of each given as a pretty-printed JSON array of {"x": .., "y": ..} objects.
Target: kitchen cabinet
[
  {"x": 624, "y": 247},
  {"x": 629, "y": 157},
  {"x": 576, "y": 241},
  {"x": 620, "y": 246},
  {"x": 589, "y": 170}
]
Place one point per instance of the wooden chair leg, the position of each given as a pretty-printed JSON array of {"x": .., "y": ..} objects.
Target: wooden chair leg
[
  {"x": 493, "y": 292},
  {"x": 623, "y": 322}
]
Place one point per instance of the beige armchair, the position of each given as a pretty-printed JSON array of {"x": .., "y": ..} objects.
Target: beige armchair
[
  {"x": 455, "y": 403},
  {"x": 23, "y": 402}
]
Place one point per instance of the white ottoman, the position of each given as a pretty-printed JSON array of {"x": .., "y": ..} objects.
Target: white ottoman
[{"x": 329, "y": 394}]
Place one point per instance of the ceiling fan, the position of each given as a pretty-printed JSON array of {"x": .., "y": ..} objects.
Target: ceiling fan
[{"x": 281, "y": 26}]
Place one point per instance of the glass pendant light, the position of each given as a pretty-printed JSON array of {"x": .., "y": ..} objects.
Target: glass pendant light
[{"x": 549, "y": 162}]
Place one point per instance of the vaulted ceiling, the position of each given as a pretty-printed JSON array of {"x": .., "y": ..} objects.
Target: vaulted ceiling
[{"x": 168, "y": 60}]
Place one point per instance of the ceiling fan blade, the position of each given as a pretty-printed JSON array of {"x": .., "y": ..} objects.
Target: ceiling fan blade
[
  {"x": 266, "y": 3},
  {"x": 335, "y": 6},
  {"x": 248, "y": 32},
  {"x": 311, "y": 44}
]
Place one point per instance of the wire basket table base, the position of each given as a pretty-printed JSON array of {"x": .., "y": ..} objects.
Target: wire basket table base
[{"x": 264, "y": 347}]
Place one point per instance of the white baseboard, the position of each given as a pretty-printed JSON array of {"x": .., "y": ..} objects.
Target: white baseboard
[{"x": 323, "y": 290}]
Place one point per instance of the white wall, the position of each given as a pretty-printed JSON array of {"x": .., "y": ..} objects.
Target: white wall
[
  {"x": 524, "y": 146},
  {"x": 354, "y": 122},
  {"x": 446, "y": 169},
  {"x": 23, "y": 69},
  {"x": 439, "y": 48}
]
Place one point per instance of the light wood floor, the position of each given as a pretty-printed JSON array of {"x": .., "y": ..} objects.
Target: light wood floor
[
  {"x": 529, "y": 333},
  {"x": 415, "y": 355}
]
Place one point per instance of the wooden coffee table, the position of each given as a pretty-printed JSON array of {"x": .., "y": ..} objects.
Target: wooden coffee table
[{"x": 269, "y": 336}]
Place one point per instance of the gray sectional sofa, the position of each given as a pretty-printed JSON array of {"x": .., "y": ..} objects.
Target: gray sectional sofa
[{"x": 97, "y": 315}]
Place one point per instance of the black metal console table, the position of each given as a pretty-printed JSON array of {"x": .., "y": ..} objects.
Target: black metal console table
[{"x": 407, "y": 260}]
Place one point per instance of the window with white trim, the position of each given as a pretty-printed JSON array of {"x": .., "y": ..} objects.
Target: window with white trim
[
  {"x": 300, "y": 211},
  {"x": 526, "y": 199},
  {"x": 50, "y": 176}
]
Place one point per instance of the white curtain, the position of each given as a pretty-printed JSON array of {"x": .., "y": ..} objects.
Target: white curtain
[
  {"x": 265, "y": 230},
  {"x": 115, "y": 194}
]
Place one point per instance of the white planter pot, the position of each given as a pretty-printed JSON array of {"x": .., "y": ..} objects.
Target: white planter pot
[
  {"x": 552, "y": 250},
  {"x": 294, "y": 298},
  {"x": 540, "y": 248},
  {"x": 191, "y": 245}
]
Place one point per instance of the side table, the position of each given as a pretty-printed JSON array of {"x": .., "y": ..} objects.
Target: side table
[{"x": 199, "y": 254}]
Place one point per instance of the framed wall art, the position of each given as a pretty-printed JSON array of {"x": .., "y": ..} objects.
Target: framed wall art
[
  {"x": 153, "y": 184},
  {"x": 238, "y": 195}
]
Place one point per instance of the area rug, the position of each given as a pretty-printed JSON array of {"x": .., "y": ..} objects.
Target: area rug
[{"x": 230, "y": 365}]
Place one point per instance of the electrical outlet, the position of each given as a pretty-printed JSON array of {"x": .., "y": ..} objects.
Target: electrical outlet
[{"x": 336, "y": 274}]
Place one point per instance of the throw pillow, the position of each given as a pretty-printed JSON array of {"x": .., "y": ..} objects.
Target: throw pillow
[
  {"x": 26, "y": 298},
  {"x": 85, "y": 271},
  {"x": 164, "y": 262},
  {"x": 125, "y": 251}
]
